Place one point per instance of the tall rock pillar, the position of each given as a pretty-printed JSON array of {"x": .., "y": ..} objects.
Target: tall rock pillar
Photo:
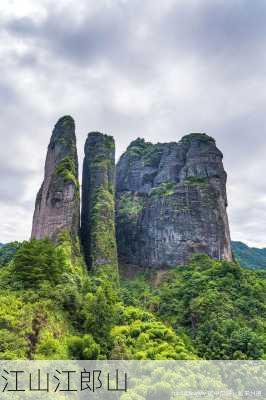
[
  {"x": 57, "y": 207},
  {"x": 98, "y": 215}
]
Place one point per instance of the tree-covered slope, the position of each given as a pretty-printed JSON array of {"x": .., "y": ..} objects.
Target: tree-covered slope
[
  {"x": 219, "y": 305},
  {"x": 39, "y": 289},
  {"x": 250, "y": 257},
  {"x": 53, "y": 308},
  {"x": 7, "y": 251}
]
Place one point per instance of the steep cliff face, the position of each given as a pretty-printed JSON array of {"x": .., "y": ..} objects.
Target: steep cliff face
[
  {"x": 97, "y": 215},
  {"x": 57, "y": 207},
  {"x": 171, "y": 202}
]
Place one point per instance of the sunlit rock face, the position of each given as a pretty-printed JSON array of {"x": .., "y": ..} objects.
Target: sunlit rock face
[
  {"x": 57, "y": 207},
  {"x": 171, "y": 202}
]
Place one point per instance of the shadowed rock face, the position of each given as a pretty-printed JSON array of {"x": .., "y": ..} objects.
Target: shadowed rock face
[
  {"x": 57, "y": 207},
  {"x": 97, "y": 215},
  {"x": 171, "y": 202}
]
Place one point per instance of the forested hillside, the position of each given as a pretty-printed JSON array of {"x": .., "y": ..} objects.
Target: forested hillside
[
  {"x": 218, "y": 305},
  {"x": 7, "y": 251},
  {"x": 250, "y": 257},
  {"x": 52, "y": 308}
]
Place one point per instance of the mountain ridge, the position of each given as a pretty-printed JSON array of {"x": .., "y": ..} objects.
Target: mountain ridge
[{"x": 249, "y": 257}]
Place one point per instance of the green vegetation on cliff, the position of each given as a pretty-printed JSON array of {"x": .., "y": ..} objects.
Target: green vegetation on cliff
[
  {"x": 67, "y": 169},
  {"x": 164, "y": 189},
  {"x": 103, "y": 250},
  {"x": 98, "y": 204},
  {"x": 196, "y": 180},
  {"x": 203, "y": 137},
  {"x": 130, "y": 205},
  {"x": 139, "y": 147}
]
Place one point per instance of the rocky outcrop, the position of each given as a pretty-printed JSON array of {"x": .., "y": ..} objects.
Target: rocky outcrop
[
  {"x": 171, "y": 202},
  {"x": 57, "y": 207},
  {"x": 97, "y": 215}
]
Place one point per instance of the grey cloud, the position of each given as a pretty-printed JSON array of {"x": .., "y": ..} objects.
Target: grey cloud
[
  {"x": 107, "y": 35},
  {"x": 217, "y": 28},
  {"x": 231, "y": 31},
  {"x": 80, "y": 41},
  {"x": 13, "y": 183},
  {"x": 132, "y": 69},
  {"x": 8, "y": 94},
  {"x": 24, "y": 26}
]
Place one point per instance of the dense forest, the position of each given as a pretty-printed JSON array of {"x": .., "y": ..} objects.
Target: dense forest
[
  {"x": 248, "y": 257},
  {"x": 52, "y": 307}
]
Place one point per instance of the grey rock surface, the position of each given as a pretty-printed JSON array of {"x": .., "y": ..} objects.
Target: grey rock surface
[
  {"x": 57, "y": 206},
  {"x": 171, "y": 202}
]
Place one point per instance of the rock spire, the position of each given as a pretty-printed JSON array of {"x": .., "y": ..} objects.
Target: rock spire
[
  {"x": 97, "y": 215},
  {"x": 57, "y": 207}
]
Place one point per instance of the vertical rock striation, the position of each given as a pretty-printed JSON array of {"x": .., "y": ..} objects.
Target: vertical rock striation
[
  {"x": 97, "y": 215},
  {"x": 57, "y": 207},
  {"x": 171, "y": 202}
]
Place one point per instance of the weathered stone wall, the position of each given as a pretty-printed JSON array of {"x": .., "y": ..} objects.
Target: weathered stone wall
[
  {"x": 171, "y": 202},
  {"x": 57, "y": 206},
  {"x": 97, "y": 215}
]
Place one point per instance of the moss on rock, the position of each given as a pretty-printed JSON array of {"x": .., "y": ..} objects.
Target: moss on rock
[
  {"x": 130, "y": 205},
  {"x": 196, "y": 180},
  {"x": 203, "y": 137},
  {"x": 164, "y": 189},
  {"x": 67, "y": 169},
  {"x": 98, "y": 209}
]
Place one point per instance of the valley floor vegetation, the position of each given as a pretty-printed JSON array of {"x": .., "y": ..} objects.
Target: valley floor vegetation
[{"x": 51, "y": 307}]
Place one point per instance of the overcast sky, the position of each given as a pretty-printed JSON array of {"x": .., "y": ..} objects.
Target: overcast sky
[{"x": 157, "y": 69}]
